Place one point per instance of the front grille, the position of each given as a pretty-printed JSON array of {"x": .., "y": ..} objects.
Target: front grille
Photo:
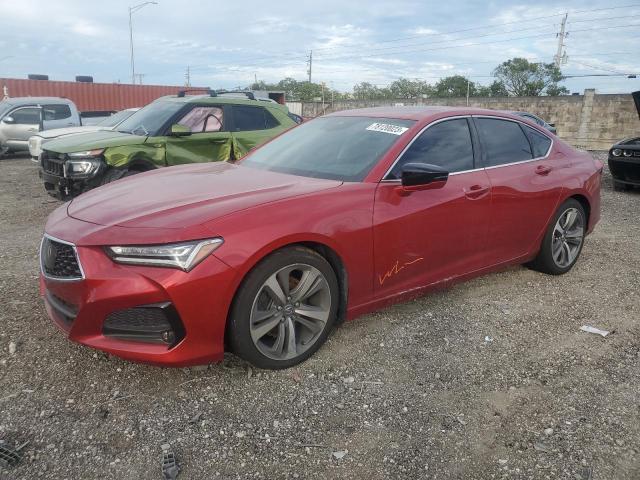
[
  {"x": 53, "y": 163},
  {"x": 59, "y": 260}
]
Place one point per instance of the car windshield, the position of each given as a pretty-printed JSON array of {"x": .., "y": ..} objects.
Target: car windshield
[
  {"x": 336, "y": 148},
  {"x": 4, "y": 108},
  {"x": 116, "y": 118},
  {"x": 150, "y": 119}
]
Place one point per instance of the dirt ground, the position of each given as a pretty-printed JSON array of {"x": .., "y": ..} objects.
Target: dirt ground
[{"x": 490, "y": 379}]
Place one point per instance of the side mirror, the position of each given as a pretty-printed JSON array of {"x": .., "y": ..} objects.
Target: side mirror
[
  {"x": 9, "y": 119},
  {"x": 178, "y": 130},
  {"x": 422, "y": 176}
]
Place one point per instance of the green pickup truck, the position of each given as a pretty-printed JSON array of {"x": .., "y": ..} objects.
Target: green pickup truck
[{"x": 172, "y": 130}]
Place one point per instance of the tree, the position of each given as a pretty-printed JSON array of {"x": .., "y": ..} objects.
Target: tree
[
  {"x": 555, "y": 90},
  {"x": 522, "y": 78},
  {"x": 496, "y": 89},
  {"x": 454, "y": 86},
  {"x": 405, "y": 88}
]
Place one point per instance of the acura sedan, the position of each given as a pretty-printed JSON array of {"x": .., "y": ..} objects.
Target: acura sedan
[{"x": 338, "y": 217}]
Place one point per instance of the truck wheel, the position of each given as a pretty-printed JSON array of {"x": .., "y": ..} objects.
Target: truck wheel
[{"x": 114, "y": 174}]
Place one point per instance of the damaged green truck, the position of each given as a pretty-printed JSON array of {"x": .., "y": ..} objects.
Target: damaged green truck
[{"x": 172, "y": 130}]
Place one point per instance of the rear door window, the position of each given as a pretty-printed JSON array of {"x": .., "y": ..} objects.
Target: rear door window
[
  {"x": 504, "y": 141},
  {"x": 56, "y": 112},
  {"x": 446, "y": 144},
  {"x": 250, "y": 118},
  {"x": 539, "y": 142}
]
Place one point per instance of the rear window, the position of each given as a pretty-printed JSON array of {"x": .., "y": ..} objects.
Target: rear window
[
  {"x": 503, "y": 140},
  {"x": 539, "y": 142}
]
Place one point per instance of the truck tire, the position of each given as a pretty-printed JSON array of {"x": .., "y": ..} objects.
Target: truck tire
[{"x": 113, "y": 174}]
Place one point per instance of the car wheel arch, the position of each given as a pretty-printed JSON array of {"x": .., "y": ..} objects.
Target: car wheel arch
[
  {"x": 140, "y": 164},
  {"x": 322, "y": 249},
  {"x": 586, "y": 205}
]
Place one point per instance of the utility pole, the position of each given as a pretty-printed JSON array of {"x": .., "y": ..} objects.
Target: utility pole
[
  {"x": 133, "y": 10},
  {"x": 140, "y": 76},
  {"x": 310, "y": 63},
  {"x": 468, "y": 88},
  {"x": 187, "y": 77},
  {"x": 560, "y": 57}
]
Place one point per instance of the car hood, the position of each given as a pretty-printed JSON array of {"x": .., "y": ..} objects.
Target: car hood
[
  {"x": 90, "y": 141},
  {"x": 179, "y": 197},
  {"x": 60, "y": 132}
]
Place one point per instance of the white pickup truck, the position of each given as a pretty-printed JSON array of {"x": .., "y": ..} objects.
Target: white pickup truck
[
  {"x": 36, "y": 141},
  {"x": 21, "y": 117}
]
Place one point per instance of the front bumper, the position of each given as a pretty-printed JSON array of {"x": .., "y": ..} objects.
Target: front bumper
[
  {"x": 58, "y": 185},
  {"x": 200, "y": 300},
  {"x": 625, "y": 169}
]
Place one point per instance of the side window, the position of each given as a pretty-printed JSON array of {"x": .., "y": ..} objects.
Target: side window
[
  {"x": 269, "y": 120},
  {"x": 26, "y": 116},
  {"x": 56, "y": 112},
  {"x": 503, "y": 141},
  {"x": 203, "y": 119},
  {"x": 446, "y": 144},
  {"x": 248, "y": 118},
  {"x": 539, "y": 142}
]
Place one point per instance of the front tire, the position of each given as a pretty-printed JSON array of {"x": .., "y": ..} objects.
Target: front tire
[
  {"x": 563, "y": 241},
  {"x": 284, "y": 310},
  {"x": 620, "y": 187},
  {"x": 113, "y": 174}
]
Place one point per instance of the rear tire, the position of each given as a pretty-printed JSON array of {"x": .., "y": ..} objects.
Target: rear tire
[
  {"x": 284, "y": 309},
  {"x": 563, "y": 241}
]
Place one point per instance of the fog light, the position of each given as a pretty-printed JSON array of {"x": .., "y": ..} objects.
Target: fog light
[
  {"x": 168, "y": 337},
  {"x": 156, "y": 323}
]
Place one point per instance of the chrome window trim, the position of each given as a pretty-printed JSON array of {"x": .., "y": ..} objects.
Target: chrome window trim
[
  {"x": 497, "y": 117},
  {"x": 75, "y": 250}
]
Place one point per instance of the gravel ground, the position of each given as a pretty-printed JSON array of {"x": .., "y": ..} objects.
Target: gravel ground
[{"x": 489, "y": 379}]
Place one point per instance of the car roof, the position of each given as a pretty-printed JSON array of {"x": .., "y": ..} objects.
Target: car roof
[
  {"x": 30, "y": 100},
  {"x": 418, "y": 113},
  {"x": 221, "y": 99}
]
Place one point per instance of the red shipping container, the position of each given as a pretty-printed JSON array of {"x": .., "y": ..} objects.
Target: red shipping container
[{"x": 90, "y": 96}]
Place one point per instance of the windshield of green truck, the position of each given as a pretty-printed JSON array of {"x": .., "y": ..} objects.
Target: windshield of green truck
[{"x": 149, "y": 120}]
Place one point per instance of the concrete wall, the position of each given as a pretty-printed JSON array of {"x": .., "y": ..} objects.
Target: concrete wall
[{"x": 590, "y": 121}]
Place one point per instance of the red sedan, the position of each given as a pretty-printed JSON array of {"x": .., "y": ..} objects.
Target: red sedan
[{"x": 338, "y": 217}]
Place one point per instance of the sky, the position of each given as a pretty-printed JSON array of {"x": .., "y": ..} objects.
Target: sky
[{"x": 229, "y": 44}]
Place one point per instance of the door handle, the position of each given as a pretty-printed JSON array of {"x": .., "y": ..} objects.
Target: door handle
[
  {"x": 476, "y": 192},
  {"x": 543, "y": 170}
]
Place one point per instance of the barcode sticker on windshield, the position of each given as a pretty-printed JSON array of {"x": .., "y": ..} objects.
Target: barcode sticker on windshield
[{"x": 387, "y": 128}]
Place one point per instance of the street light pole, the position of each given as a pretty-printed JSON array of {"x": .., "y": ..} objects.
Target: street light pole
[{"x": 132, "y": 10}]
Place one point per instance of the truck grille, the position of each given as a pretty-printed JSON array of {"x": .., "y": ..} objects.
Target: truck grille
[
  {"x": 59, "y": 260},
  {"x": 53, "y": 164}
]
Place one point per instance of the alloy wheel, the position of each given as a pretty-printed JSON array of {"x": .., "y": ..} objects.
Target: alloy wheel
[
  {"x": 290, "y": 311},
  {"x": 567, "y": 238}
]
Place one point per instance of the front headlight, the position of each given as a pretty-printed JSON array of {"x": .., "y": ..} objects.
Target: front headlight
[
  {"x": 86, "y": 154},
  {"x": 616, "y": 152},
  {"x": 184, "y": 256},
  {"x": 82, "y": 168},
  {"x": 627, "y": 153}
]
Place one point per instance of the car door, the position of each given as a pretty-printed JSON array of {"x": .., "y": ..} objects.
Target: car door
[
  {"x": 57, "y": 115},
  {"x": 526, "y": 183},
  {"x": 210, "y": 141},
  {"x": 252, "y": 126},
  {"x": 431, "y": 235},
  {"x": 20, "y": 124}
]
